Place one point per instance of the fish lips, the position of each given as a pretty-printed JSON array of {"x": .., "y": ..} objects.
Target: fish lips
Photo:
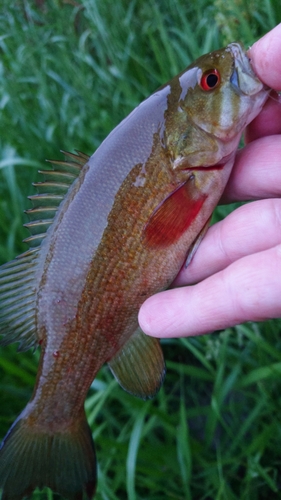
[{"x": 243, "y": 77}]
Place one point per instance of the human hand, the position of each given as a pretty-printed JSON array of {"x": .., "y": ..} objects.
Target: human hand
[{"x": 235, "y": 275}]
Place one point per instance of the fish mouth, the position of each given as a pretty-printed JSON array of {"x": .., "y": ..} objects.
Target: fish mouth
[
  {"x": 243, "y": 77},
  {"x": 217, "y": 166},
  {"x": 207, "y": 168}
]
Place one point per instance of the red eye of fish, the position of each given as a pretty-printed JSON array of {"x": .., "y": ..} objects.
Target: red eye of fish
[{"x": 210, "y": 79}]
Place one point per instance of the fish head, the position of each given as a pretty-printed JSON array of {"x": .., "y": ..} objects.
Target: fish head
[
  {"x": 224, "y": 94},
  {"x": 208, "y": 106}
]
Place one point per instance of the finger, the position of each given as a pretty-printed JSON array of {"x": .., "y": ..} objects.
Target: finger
[
  {"x": 250, "y": 229},
  {"x": 268, "y": 122},
  {"x": 247, "y": 290},
  {"x": 265, "y": 58},
  {"x": 256, "y": 172}
]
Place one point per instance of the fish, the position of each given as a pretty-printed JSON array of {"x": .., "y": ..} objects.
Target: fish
[{"x": 107, "y": 232}]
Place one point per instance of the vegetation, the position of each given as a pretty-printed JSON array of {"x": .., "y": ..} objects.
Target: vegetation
[{"x": 69, "y": 72}]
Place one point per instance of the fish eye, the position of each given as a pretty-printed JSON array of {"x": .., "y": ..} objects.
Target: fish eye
[{"x": 210, "y": 79}]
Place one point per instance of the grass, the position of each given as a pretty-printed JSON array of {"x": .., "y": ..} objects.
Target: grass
[{"x": 69, "y": 72}]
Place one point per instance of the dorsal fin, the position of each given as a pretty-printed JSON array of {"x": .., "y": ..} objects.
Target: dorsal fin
[
  {"x": 19, "y": 278},
  {"x": 18, "y": 301},
  {"x": 51, "y": 192}
]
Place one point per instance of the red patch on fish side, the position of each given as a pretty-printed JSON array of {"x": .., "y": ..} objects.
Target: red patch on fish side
[{"x": 174, "y": 216}]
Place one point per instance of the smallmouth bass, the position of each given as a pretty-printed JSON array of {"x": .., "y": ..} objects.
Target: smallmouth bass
[{"x": 106, "y": 233}]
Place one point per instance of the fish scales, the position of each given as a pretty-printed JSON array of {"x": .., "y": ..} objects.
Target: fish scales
[
  {"x": 134, "y": 213},
  {"x": 105, "y": 309}
]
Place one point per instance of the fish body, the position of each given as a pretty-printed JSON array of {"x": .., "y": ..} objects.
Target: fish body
[{"x": 120, "y": 226}]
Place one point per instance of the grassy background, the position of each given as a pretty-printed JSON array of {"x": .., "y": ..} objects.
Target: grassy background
[{"x": 69, "y": 72}]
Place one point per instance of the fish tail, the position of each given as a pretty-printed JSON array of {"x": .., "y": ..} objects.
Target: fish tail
[{"x": 64, "y": 461}]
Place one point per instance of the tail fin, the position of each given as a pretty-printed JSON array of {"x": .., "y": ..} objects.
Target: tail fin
[{"x": 64, "y": 461}]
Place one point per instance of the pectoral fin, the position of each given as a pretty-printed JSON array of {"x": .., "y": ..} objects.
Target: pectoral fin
[
  {"x": 194, "y": 247},
  {"x": 174, "y": 215},
  {"x": 139, "y": 366}
]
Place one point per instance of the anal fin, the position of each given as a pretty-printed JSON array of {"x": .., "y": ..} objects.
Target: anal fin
[{"x": 139, "y": 366}]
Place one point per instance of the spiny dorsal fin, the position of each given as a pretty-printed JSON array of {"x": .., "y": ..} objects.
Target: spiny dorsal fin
[
  {"x": 51, "y": 192},
  {"x": 18, "y": 278}
]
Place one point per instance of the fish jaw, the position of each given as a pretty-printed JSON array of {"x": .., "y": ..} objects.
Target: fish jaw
[
  {"x": 243, "y": 77},
  {"x": 246, "y": 82}
]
